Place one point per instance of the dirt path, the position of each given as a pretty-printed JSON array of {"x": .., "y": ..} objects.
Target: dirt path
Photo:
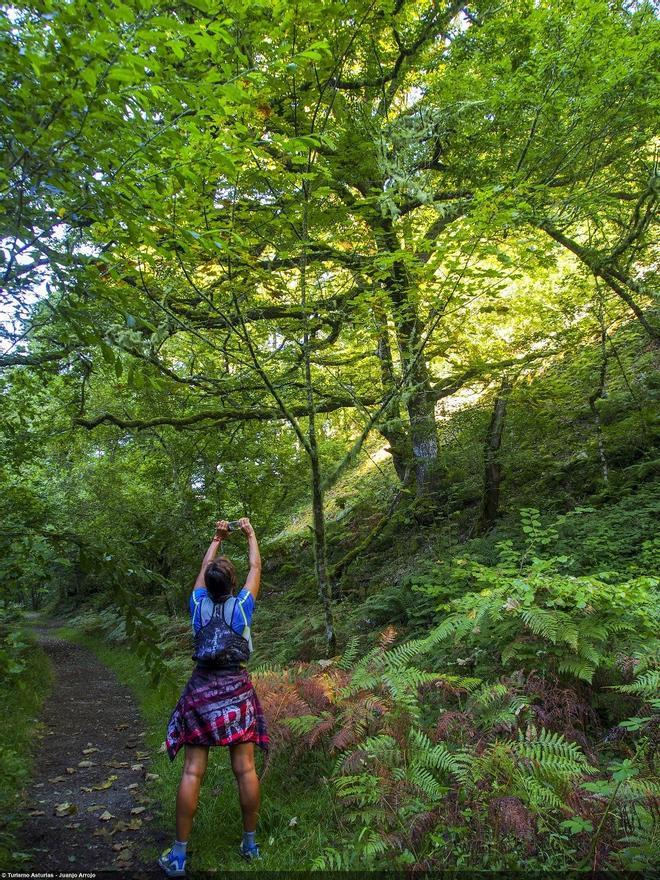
[{"x": 88, "y": 804}]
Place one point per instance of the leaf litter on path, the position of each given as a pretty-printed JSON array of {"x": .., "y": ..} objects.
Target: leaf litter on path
[
  {"x": 100, "y": 786},
  {"x": 65, "y": 809},
  {"x": 123, "y": 813}
]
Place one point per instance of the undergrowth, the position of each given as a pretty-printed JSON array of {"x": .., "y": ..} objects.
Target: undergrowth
[{"x": 25, "y": 678}]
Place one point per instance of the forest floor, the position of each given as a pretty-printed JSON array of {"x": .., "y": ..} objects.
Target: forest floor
[{"x": 88, "y": 804}]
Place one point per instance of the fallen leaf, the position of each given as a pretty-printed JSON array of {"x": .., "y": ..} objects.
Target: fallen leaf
[
  {"x": 137, "y": 810},
  {"x": 105, "y": 784},
  {"x": 142, "y": 755},
  {"x": 133, "y": 825},
  {"x": 71, "y": 770},
  {"x": 137, "y": 767},
  {"x": 36, "y": 813},
  {"x": 151, "y": 776},
  {"x": 89, "y": 751},
  {"x": 121, "y": 726},
  {"x": 124, "y": 856},
  {"x": 65, "y": 809},
  {"x": 73, "y": 825},
  {"x": 105, "y": 816},
  {"x": 54, "y": 779},
  {"x": 95, "y": 807},
  {"x": 132, "y": 786},
  {"x": 123, "y": 845},
  {"x": 117, "y": 764},
  {"x": 162, "y": 747},
  {"x": 86, "y": 788},
  {"x": 86, "y": 763},
  {"x": 293, "y": 822}
]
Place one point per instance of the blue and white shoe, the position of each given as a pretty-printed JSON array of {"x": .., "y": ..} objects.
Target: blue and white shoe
[
  {"x": 250, "y": 854},
  {"x": 174, "y": 866}
]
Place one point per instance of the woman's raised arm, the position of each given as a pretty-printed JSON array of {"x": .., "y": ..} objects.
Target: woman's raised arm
[{"x": 253, "y": 581}]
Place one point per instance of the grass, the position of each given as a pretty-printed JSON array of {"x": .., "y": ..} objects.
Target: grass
[
  {"x": 296, "y": 805},
  {"x": 24, "y": 684}
]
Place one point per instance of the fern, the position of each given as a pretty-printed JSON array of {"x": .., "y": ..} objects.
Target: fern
[
  {"x": 350, "y": 653},
  {"x": 302, "y": 724},
  {"x": 425, "y": 781},
  {"x": 433, "y": 755},
  {"x": 577, "y": 668},
  {"x": 646, "y": 685}
]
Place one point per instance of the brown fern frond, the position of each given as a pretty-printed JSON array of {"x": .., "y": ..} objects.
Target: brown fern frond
[
  {"x": 421, "y": 824},
  {"x": 314, "y": 691},
  {"x": 508, "y": 815},
  {"x": 355, "y": 761},
  {"x": 324, "y": 727},
  {"x": 453, "y": 722},
  {"x": 344, "y": 737},
  {"x": 387, "y": 637}
]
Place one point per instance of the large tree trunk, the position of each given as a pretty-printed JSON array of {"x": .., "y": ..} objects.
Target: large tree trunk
[
  {"x": 420, "y": 400},
  {"x": 493, "y": 468},
  {"x": 599, "y": 394},
  {"x": 399, "y": 441}
]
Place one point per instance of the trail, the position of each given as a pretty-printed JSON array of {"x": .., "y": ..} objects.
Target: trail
[{"x": 88, "y": 805}]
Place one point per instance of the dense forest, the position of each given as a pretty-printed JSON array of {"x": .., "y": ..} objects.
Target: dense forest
[{"x": 379, "y": 275}]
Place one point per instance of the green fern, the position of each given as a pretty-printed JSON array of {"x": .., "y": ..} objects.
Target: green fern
[
  {"x": 646, "y": 684},
  {"x": 350, "y": 653}
]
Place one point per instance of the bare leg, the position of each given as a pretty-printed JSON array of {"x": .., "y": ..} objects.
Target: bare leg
[
  {"x": 242, "y": 763},
  {"x": 187, "y": 797}
]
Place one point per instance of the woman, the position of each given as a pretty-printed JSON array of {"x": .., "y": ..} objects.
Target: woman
[{"x": 218, "y": 706}]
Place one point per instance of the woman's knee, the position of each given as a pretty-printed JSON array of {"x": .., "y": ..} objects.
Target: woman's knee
[
  {"x": 195, "y": 764},
  {"x": 242, "y": 759},
  {"x": 194, "y": 772},
  {"x": 243, "y": 768},
  {"x": 242, "y": 763}
]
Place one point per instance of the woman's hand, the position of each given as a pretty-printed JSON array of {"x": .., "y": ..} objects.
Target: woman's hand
[
  {"x": 221, "y": 529},
  {"x": 246, "y": 526}
]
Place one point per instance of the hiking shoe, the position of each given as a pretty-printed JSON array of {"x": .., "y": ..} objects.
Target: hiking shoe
[
  {"x": 250, "y": 854},
  {"x": 174, "y": 866}
]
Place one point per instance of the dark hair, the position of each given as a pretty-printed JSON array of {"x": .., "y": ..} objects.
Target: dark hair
[{"x": 220, "y": 578}]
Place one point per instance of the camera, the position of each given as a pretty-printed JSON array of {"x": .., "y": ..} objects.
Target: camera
[{"x": 234, "y": 525}]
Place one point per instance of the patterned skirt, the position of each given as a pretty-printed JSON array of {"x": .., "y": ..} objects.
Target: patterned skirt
[{"x": 217, "y": 709}]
